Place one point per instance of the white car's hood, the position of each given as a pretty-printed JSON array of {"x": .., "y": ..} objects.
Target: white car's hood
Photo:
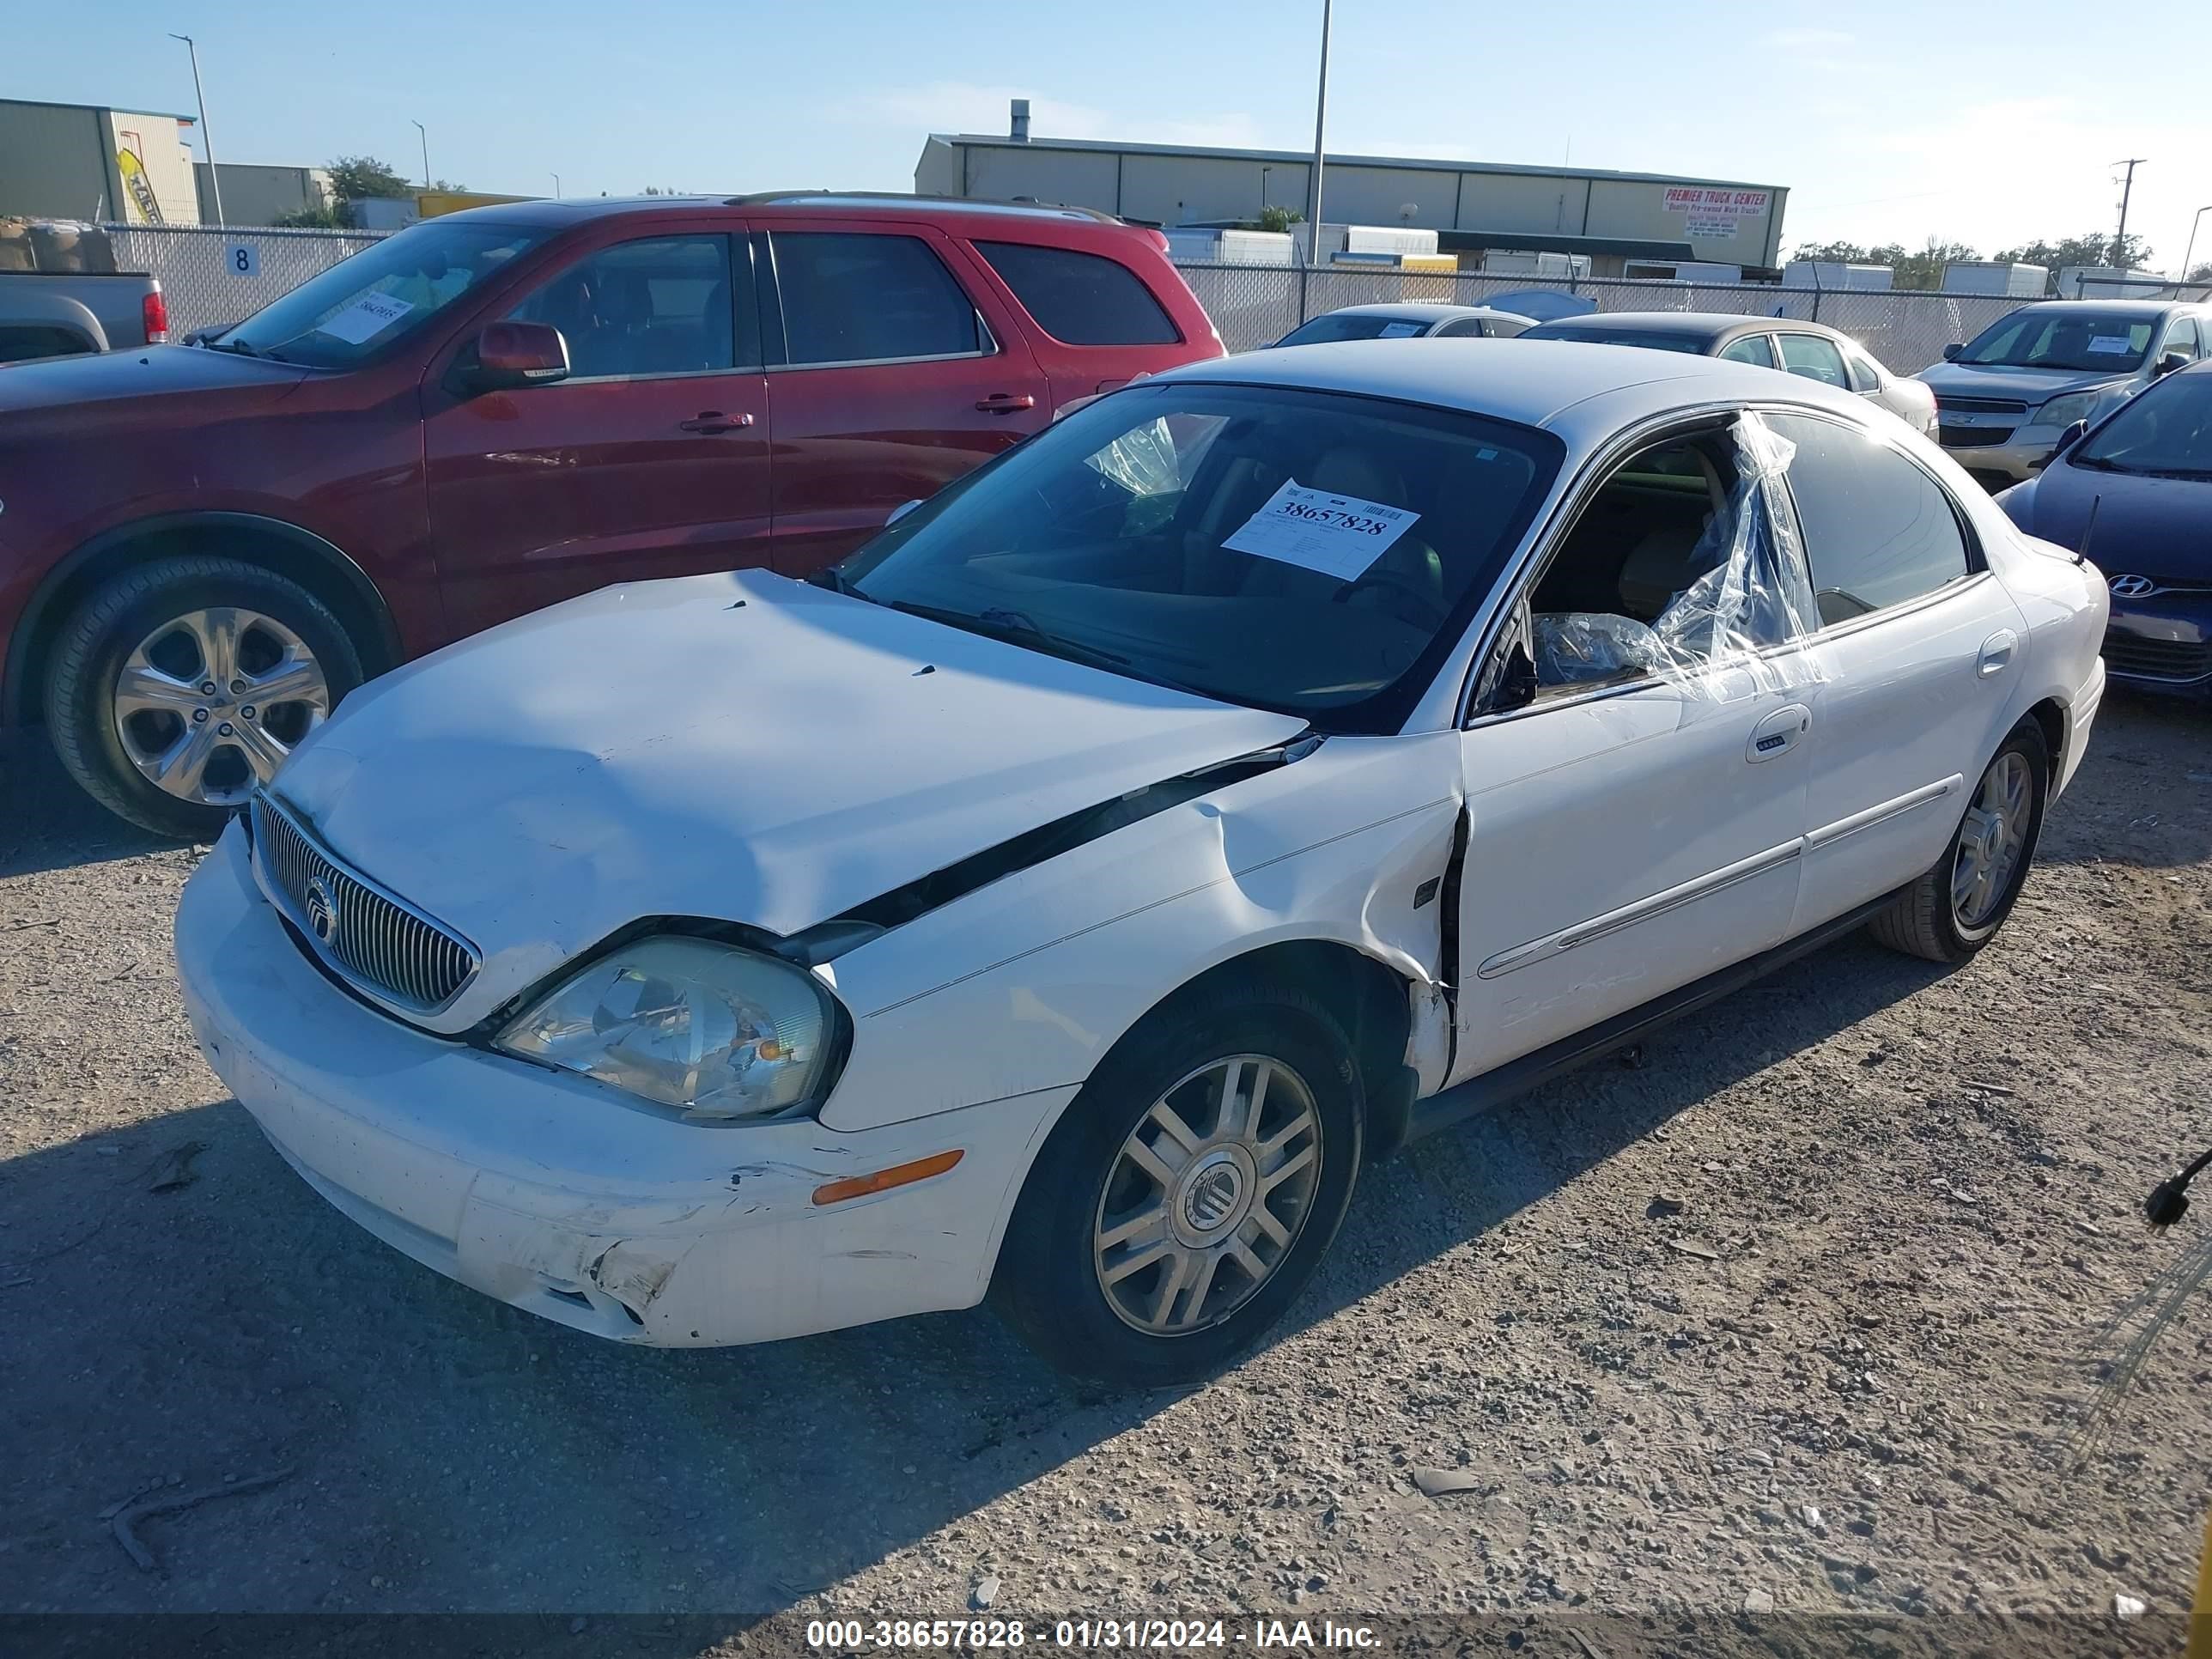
[{"x": 742, "y": 747}]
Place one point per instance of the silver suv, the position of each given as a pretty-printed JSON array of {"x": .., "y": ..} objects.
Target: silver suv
[{"x": 2003, "y": 399}]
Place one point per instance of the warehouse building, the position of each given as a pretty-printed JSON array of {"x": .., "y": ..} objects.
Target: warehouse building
[
  {"x": 1613, "y": 218},
  {"x": 83, "y": 161}
]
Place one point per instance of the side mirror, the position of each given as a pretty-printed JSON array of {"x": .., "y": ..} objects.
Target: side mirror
[
  {"x": 2168, "y": 363},
  {"x": 511, "y": 355},
  {"x": 1951, "y": 351},
  {"x": 2069, "y": 438},
  {"x": 900, "y": 511}
]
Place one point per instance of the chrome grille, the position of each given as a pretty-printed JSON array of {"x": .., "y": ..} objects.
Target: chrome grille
[{"x": 377, "y": 942}]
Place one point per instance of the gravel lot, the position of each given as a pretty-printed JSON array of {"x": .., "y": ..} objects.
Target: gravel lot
[{"x": 1842, "y": 1376}]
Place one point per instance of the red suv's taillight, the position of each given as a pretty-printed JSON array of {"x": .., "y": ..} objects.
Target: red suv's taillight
[{"x": 153, "y": 310}]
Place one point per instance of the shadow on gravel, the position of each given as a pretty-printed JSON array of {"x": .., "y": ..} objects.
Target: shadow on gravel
[
  {"x": 448, "y": 1452},
  {"x": 47, "y": 822}
]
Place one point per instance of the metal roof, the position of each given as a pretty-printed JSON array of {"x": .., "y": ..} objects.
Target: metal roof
[
  {"x": 100, "y": 109},
  {"x": 1000, "y": 141}
]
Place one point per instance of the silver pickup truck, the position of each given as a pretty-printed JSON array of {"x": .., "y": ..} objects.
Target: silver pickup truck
[{"x": 61, "y": 294}]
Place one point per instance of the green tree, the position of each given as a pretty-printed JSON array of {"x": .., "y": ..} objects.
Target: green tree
[
  {"x": 331, "y": 216},
  {"x": 2201, "y": 274},
  {"x": 357, "y": 177},
  {"x": 1925, "y": 268},
  {"x": 1276, "y": 217},
  {"x": 2092, "y": 248}
]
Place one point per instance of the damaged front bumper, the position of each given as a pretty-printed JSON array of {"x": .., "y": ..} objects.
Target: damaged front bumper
[{"x": 559, "y": 1195}]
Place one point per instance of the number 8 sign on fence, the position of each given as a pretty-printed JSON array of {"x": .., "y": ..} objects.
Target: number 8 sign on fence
[{"x": 242, "y": 259}]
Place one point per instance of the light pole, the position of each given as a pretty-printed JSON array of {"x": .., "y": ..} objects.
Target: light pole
[
  {"x": 207, "y": 143},
  {"x": 2127, "y": 190},
  {"x": 2193, "y": 223},
  {"x": 557, "y": 185},
  {"x": 1321, "y": 117},
  {"x": 425, "y": 133}
]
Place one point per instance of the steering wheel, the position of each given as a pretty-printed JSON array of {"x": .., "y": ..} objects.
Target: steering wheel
[{"x": 1409, "y": 601}]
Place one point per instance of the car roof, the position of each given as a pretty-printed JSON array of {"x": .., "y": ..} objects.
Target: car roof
[
  {"x": 922, "y": 210},
  {"x": 1690, "y": 324},
  {"x": 2124, "y": 307},
  {"x": 1428, "y": 310},
  {"x": 1583, "y": 391}
]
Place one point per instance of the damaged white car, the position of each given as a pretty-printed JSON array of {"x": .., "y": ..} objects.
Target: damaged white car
[{"x": 1060, "y": 901}]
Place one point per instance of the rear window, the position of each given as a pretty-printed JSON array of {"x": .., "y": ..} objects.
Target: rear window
[
  {"x": 1599, "y": 334},
  {"x": 1082, "y": 299}
]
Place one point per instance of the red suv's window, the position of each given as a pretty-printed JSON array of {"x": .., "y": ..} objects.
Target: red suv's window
[
  {"x": 1081, "y": 299},
  {"x": 864, "y": 298}
]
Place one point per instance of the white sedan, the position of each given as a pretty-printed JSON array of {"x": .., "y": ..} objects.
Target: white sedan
[{"x": 1060, "y": 901}]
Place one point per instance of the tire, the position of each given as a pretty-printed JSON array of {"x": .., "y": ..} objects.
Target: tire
[
  {"x": 1926, "y": 920},
  {"x": 150, "y": 606},
  {"x": 1051, "y": 1284}
]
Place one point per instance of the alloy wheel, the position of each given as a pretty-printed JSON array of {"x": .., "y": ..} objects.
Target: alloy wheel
[
  {"x": 1991, "y": 841},
  {"x": 212, "y": 701},
  {"x": 1207, "y": 1195}
]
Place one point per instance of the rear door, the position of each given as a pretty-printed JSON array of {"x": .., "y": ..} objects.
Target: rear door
[
  {"x": 650, "y": 459},
  {"x": 1918, "y": 654},
  {"x": 892, "y": 371}
]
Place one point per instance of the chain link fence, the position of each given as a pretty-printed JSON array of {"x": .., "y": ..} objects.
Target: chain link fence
[
  {"x": 212, "y": 276},
  {"x": 1905, "y": 329}
]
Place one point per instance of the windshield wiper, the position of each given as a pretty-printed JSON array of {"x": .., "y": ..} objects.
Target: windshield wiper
[
  {"x": 241, "y": 347},
  {"x": 835, "y": 580}
]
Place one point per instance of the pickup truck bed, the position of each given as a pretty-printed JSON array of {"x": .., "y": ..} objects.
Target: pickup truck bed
[{"x": 55, "y": 314}]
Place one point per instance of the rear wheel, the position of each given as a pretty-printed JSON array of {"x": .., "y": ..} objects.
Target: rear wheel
[
  {"x": 1957, "y": 907},
  {"x": 1188, "y": 1193},
  {"x": 182, "y": 684}
]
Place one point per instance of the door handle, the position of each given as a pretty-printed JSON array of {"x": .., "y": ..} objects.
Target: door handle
[
  {"x": 713, "y": 420},
  {"x": 1006, "y": 403},
  {"x": 1996, "y": 651},
  {"x": 1778, "y": 733}
]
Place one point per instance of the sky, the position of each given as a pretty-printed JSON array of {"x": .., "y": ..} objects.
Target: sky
[{"x": 1887, "y": 121}]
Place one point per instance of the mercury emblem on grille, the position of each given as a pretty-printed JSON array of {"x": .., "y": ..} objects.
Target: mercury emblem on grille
[{"x": 322, "y": 911}]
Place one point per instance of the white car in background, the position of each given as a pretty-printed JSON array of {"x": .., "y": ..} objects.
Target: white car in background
[
  {"x": 1063, "y": 899},
  {"x": 1409, "y": 320}
]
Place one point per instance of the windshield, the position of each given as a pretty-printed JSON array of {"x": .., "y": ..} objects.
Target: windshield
[
  {"x": 1312, "y": 553},
  {"x": 1354, "y": 325},
  {"x": 382, "y": 293},
  {"x": 1656, "y": 339},
  {"x": 2072, "y": 338},
  {"x": 2167, "y": 431}
]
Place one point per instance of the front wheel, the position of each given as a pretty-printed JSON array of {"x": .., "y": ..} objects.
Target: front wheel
[
  {"x": 182, "y": 684},
  {"x": 1957, "y": 907},
  {"x": 1188, "y": 1193}
]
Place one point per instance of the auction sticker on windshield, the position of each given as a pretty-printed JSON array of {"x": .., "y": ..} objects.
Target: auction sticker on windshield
[
  {"x": 1339, "y": 536},
  {"x": 2108, "y": 343},
  {"x": 365, "y": 319},
  {"x": 1400, "y": 330}
]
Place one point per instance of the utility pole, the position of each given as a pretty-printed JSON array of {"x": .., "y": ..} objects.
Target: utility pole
[
  {"x": 2127, "y": 189},
  {"x": 425, "y": 133},
  {"x": 1313, "y": 196},
  {"x": 207, "y": 143}
]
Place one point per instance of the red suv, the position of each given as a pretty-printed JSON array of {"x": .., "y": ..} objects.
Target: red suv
[{"x": 203, "y": 548}]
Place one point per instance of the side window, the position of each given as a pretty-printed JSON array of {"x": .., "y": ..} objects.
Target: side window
[
  {"x": 661, "y": 304},
  {"x": 1752, "y": 349},
  {"x": 1878, "y": 530},
  {"x": 1814, "y": 358},
  {"x": 1463, "y": 328},
  {"x": 1865, "y": 377},
  {"x": 1670, "y": 564},
  {"x": 1081, "y": 299},
  {"x": 2182, "y": 337},
  {"x": 861, "y": 297}
]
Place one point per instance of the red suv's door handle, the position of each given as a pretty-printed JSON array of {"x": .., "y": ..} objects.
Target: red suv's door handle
[
  {"x": 1005, "y": 403},
  {"x": 713, "y": 420}
]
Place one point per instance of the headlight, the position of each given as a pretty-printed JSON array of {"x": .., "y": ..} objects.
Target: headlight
[
  {"x": 2074, "y": 406},
  {"x": 717, "y": 1031}
]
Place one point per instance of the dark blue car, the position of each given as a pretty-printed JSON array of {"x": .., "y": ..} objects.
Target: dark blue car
[{"x": 2133, "y": 493}]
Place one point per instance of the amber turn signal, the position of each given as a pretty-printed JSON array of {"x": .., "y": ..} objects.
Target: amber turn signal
[{"x": 899, "y": 1175}]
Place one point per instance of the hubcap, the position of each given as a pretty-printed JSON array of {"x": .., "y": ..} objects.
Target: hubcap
[
  {"x": 1990, "y": 842},
  {"x": 212, "y": 701},
  {"x": 1207, "y": 1195}
]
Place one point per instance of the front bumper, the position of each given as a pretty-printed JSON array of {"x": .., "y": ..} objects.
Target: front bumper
[
  {"x": 557, "y": 1195},
  {"x": 2162, "y": 642},
  {"x": 2015, "y": 460}
]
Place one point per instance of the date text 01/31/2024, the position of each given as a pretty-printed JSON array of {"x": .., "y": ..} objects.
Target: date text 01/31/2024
[{"x": 1167, "y": 1635}]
